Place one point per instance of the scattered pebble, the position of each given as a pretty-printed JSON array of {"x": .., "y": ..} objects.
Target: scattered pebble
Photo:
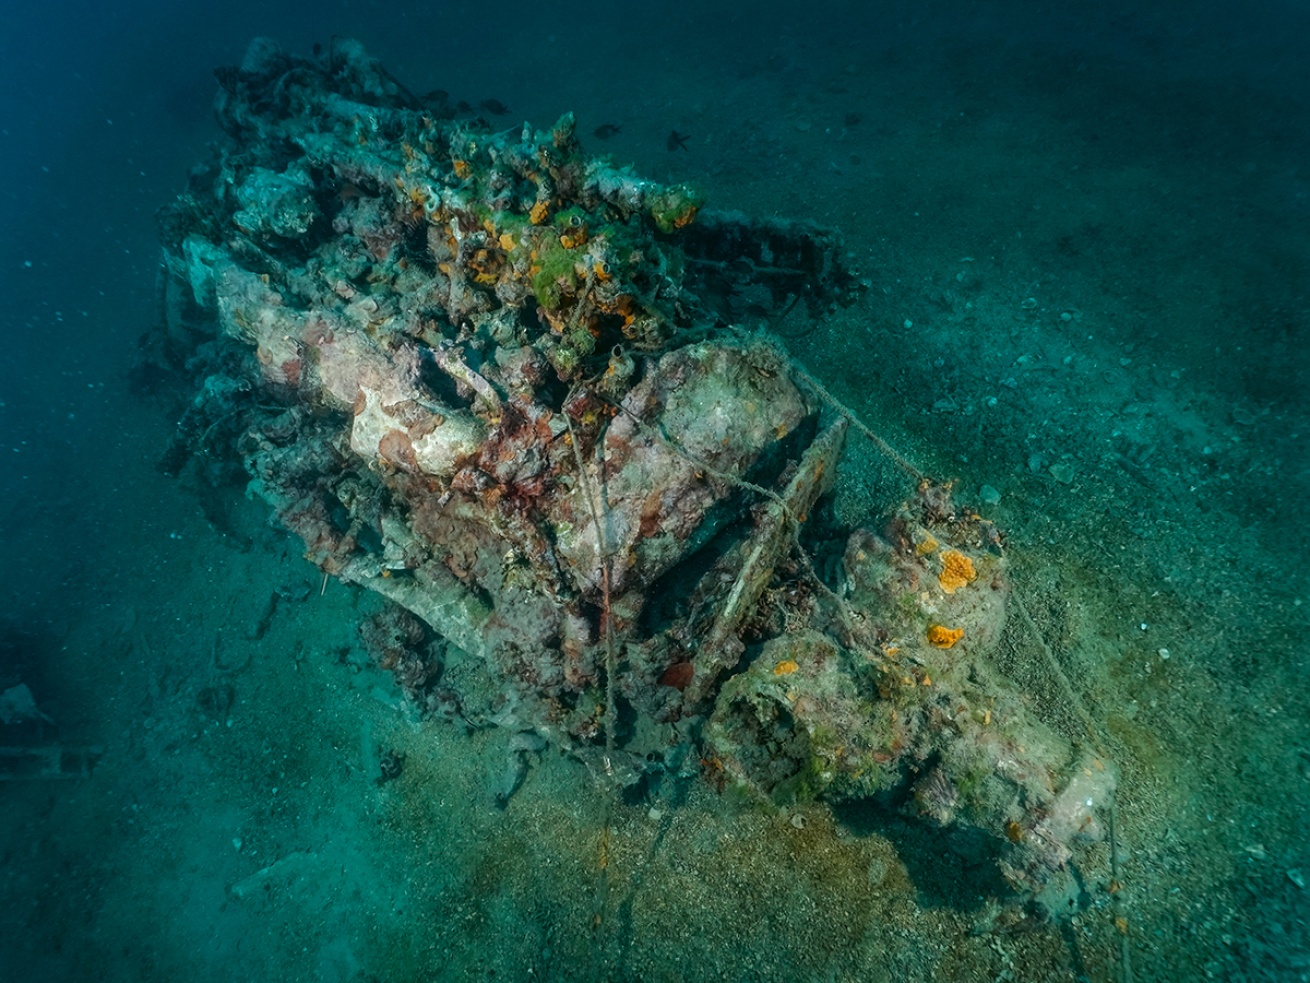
[
  {"x": 1063, "y": 473},
  {"x": 1296, "y": 877},
  {"x": 988, "y": 495},
  {"x": 878, "y": 871},
  {"x": 1162, "y": 653},
  {"x": 798, "y": 820},
  {"x": 655, "y": 815}
]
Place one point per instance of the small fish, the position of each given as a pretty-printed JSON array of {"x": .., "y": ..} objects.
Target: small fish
[
  {"x": 607, "y": 130},
  {"x": 494, "y": 106},
  {"x": 678, "y": 141}
]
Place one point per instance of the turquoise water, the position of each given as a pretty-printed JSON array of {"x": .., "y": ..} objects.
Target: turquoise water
[{"x": 1085, "y": 237}]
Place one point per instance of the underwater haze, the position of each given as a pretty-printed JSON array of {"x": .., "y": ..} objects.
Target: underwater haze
[{"x": 1082, "y": 241}]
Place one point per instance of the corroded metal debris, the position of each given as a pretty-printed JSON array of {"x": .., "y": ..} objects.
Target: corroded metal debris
[{"x": 502, "y": 383}]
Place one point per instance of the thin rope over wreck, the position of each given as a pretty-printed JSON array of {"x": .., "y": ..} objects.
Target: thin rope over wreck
[{"x": 503, "y": 384}]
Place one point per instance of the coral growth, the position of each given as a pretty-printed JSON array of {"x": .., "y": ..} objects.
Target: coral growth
[
  {"x": 957, "y": 571},
  {"x": 942, "y": 637}
]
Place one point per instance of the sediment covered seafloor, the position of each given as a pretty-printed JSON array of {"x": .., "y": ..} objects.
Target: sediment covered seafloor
[{"x": 1081, "y": 310}]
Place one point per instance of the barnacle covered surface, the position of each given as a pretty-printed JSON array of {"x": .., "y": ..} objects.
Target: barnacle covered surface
[{"x": 480, "y": 374}]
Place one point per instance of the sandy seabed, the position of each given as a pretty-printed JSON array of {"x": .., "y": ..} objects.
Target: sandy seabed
[{"x": 1086, "y": 243}]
